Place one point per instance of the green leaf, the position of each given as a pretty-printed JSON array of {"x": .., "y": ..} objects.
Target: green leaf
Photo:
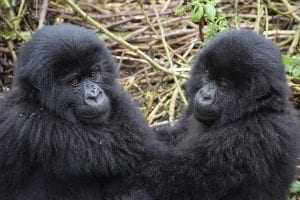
[
  {"x": 197, "y": 14},
  {"x": 292, "y": 65},
  {"x": 210, "y": 11},
  {"x": 295, "y": 187}
]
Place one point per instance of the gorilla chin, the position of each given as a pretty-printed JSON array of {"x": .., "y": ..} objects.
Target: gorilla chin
[
  {"x": 204, "y": 114},
  {"x": 92, "y": 118},
  {"x": 93, "y": 111}
]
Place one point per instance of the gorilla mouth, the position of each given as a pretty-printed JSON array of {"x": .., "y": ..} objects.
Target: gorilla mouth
[
  {"x": 207, "y": 112},
  {"x": 89, "y": 116},
  {"x": 92, "y": 115}
]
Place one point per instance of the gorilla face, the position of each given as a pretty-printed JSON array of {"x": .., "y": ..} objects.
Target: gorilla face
[
  {"x": 212, "y": 96},
  {"x": 78, "y": 85},
  {"x": 205, "y": 101},
  {"x": 82, "y": 90},
  {"x": 92, "y": 103},
  {"x": 230, "y": 80}
]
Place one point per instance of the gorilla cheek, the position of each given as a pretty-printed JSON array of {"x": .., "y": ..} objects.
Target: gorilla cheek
[{"x": 205, "y": 107}]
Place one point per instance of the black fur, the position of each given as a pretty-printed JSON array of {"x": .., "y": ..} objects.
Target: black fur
[
  {"x": 45, "y": 151},
  {"x": 248, "y": 151}
]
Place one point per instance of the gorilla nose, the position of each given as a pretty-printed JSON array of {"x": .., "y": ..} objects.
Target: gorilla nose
[
  {"x": 206, "y": 94},
  {"x": 94, "y": 93}
]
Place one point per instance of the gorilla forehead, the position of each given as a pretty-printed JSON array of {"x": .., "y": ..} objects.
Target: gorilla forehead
[
  {"x": 62, "y": 48},
  {"x": 241, "y": 51},
  {"x": 62, "y": 44}
]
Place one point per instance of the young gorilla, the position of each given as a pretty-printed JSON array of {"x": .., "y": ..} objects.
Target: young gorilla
[
  {"x": 68, "y": 131},
  {"x": 237, "y": 139}
]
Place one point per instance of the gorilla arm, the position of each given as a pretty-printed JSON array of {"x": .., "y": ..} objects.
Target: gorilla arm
[
  {"x": 14, "y": 155},
  {"x": 212, "y": 165},
  {"x": 185, "y": 129}
]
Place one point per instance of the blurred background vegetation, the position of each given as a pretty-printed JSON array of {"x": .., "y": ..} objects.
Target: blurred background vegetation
[{"x": 154, "y": 42}]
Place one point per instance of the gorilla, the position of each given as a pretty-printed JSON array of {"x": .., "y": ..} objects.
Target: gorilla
[
  {"x": 237, "y": 140},
  {"x": 68, "y": 131}
]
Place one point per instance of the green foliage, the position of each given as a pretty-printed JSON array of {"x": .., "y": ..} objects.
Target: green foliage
[
  {"x": 204, "y": 11},
  {"x": 210, "y": 11},
  {"x": 8, "y": 35},
  {"x": 295, "y": 187},
  {"x": 292, "y": 65},
  {"x": 197, "y": 14},
  {"x": 11, "y": 19}
]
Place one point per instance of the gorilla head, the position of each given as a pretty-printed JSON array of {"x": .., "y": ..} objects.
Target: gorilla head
[
  {"x": 68, "y": 70},
  {"x": 230, "y": 80}
]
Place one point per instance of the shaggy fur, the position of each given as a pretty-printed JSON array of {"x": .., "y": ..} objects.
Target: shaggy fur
[
  {"x": 249, "y": 151},
  {"x": 46, "y": 152}
]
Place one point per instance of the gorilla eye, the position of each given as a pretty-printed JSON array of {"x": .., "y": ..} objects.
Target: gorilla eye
[
  {"x": 75, "y": 82},
  {"x": 93, "y": 73}
]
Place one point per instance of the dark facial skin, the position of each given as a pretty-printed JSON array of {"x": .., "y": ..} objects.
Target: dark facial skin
[
  {"x": 93, "y": 105},
  {"x": 205, "y": 108},
  {"x": 209, "y": 96}
]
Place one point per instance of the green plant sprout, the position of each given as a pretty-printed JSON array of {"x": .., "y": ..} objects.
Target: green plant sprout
[
  {"x": 204, "y": 12},
  {"x": 295, "y": 187}
]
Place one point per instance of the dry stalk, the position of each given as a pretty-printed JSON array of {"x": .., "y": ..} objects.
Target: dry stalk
[{"x": 169, "y": 57}]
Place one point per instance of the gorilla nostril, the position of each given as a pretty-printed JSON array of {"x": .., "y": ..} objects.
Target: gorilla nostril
[
  {"x": 207, "y": 97},
  {"x": 92, "y": 98},
  {"x": 201, "y": 91}
]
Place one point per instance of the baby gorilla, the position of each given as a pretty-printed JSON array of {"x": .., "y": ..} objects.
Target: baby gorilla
[
  {"x": 68, "y": 131},
  {"x": 237, "y": 138}
]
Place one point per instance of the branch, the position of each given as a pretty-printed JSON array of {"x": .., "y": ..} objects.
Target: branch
[{"x": 100, "y": 27}]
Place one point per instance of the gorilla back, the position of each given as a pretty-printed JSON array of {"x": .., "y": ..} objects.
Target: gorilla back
[
  {"x": 68, "y": 130},
  {"x": 241, "y": 137}
]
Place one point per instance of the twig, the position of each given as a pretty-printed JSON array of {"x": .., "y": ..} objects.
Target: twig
[
  {"x": 267, "y": 20},
  {"x": 294, "y": 43},
  {"x": 20, "y": 13},
  {"x": 146, "y": 17},
  {"x": 291, "y": 9},
  {"x": 120, "y": 40},
  {"x": 280, "y": 32},
  {"x": 43, "y": 13},
  {"x": 259, "y": 14},
  {"x": 12, "y": 52},
  {"x": 169, "y": 56},
  {"x": 152, "y": 115},
  {"x": 12, "y": 15},
  {"x": 236, "y": 14},
  {"x": 172, "y": 106},
  {"x": 12, "y": 27},
  {"x": 157, "y": 124}
]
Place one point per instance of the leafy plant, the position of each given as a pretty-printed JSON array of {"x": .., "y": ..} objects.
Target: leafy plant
[
  {"x": 204, "y": 11},
  {"x": 295, "y": 187},
  {"x": 292, "y": 66}
]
